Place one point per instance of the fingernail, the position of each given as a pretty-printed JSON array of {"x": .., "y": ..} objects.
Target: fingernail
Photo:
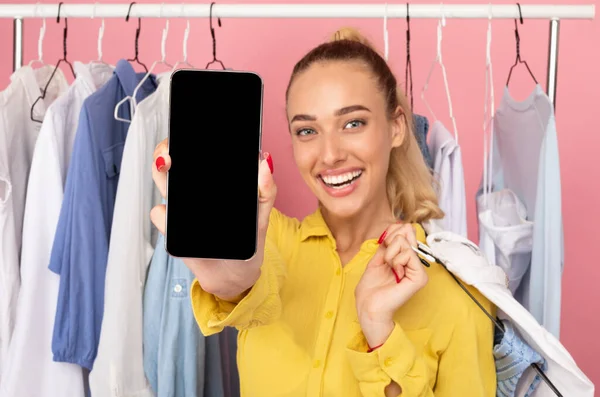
[
  {"x": 160, "y": 163},
  {"x": 397, "y": 278},
  {"x": 382, "y": 237},
  {"x": 269, "y": 160}
]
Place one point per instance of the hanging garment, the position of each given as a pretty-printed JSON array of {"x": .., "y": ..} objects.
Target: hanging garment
[
  {"x": 448, "y": 168},
  {"x": 30, "y": 355},
  {"x": 80, "y": 248},
  {"x": 508, "y": 236},
  {"x": 119, "y": 363},
  {"x": 18, "y": 134},
  {"x": 513, "y": 358},
  {"x": 421, "y": 129},
  {"x": 177, "y": 356},
  {"x": 525, "y": 160},
  {"x": 464, "y": 259}
]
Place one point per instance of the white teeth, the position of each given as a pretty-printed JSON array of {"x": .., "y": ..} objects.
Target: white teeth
[{"x": 339, "y": 179}]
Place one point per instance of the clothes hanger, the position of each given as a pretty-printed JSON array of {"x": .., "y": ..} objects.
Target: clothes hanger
[
  {"x": 214, "y": 40},
  {"x": 518, "y": 60},
  {"x": 63, "y": 59},
  {"x": 488, "y": 113},
  {"x": 100, "y": 60},
  {"x": 137, "y": 39},
  {"x": 40, "y": 41},
  {"x": 386, "y": 46},
  {"x": 133, "y": 98},
  {"x": 186, "y": 35},
  {"x": 408, "y": 79},
  {"x": 438, "y": 60}
]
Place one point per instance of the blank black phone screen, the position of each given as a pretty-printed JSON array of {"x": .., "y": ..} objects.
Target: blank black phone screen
[{"x": 214, "y": 144}]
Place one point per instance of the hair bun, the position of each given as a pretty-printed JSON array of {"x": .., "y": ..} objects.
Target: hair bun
[{"x": 351, "y": 34}]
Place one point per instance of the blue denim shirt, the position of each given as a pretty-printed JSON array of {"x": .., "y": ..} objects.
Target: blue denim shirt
[
  {"x": 421, "y": 129},
  {"x": 178, "y": 360},
  {"x": 80, "y": 248}
]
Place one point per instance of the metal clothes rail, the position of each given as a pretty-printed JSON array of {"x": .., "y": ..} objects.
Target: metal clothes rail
[{"x": 553, "y": 13}]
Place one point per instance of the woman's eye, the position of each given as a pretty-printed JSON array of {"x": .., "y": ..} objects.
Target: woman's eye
[
  {"x": 354, "y": 124},
  {"x": 305, "y": 131}
]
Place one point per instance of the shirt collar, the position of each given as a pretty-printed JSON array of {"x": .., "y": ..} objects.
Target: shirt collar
[
  {"x": 34, "y": 81},
  {"x": 129, "y": 79},
  {"x": 314, "y": 226},
  {"x": 93, "y": 74}
]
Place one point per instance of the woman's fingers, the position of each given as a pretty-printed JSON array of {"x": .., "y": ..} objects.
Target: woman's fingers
[
  {"x": 160, "y": 166},
  {"x": 158, "y": 217}
]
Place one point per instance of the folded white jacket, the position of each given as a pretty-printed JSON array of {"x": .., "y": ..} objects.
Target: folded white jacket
[{"x": 464, "y": 259}]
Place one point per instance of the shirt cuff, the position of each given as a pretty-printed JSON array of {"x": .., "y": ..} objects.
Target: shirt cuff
[
  {"x": 395, "y": 360},
  {"x": 255, "y": 307}
]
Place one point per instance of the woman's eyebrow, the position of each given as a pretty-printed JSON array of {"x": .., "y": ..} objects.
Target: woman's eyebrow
[{"x": 339, "y": 112}]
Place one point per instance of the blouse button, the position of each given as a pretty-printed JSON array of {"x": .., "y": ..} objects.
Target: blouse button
[
  {"x": 387, "y": 362},
  {"x": 338, "y": 272},
  {"x": 317, "y": 364},
  {"x": 329, "y": 314}
]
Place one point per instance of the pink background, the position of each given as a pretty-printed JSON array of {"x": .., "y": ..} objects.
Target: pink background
[{"x": 271, "y": 47}]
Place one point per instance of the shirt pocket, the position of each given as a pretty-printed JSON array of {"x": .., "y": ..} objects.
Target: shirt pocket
[{"x": 112, "y": 159}]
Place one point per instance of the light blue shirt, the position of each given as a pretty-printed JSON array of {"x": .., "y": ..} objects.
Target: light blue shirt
[
  {"x": 526, "y": 161},
  {"x": 178, "y": 360},
  {"x": 80, "y": 248}
]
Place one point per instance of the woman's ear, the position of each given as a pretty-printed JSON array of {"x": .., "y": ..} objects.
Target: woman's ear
[{"x": 399, "y": 128}]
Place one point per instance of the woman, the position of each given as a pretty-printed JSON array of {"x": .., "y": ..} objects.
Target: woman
[{"x": 338, "y": 304}]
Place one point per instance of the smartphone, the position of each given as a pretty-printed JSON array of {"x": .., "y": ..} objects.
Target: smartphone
[{"x": 215, "y": 127}]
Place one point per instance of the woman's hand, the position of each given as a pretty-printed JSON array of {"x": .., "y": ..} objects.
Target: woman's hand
[
  {"x": 224, "y": 278},
  {"x": 393, "y": 275}
]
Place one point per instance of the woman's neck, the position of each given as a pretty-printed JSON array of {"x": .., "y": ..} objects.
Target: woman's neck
[{"x": 350, "y": 233}]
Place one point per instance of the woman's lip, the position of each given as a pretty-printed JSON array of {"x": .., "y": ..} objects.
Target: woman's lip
[{"x": 339, "y": 171}]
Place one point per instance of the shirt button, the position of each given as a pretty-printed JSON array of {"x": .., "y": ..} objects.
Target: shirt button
[
  {"x": 177, "y": 288},
  {"x": 338, "y": 272},
  {"x": 317, "y": 364},
  {"x": 329, "y": 314},
  {"x": 387, "y": 362}
]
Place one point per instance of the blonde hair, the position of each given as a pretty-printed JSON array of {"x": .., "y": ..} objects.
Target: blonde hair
[{"x": 410, "y": 184}]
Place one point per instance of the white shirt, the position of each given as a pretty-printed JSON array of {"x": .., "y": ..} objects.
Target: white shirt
[
  {"x": 119, "y": 368},
  {"x": 448, "y": 168},
  {"x": 464, "y": 259},
  {"x": 30, "y": 357},
  {"x": 18, "y": 134}
]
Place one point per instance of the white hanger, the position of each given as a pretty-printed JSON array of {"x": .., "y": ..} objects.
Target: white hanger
[
  {"x": 100, "y": 37},
  {"x": 40, "y": 41},
  {"x": 488, "y": 113},
  {"x": 132, "y": 99},
  {"x": 386, "y": 42},
  {"x": 438, "y": 60},
  {"x": 186, "y": 35}
]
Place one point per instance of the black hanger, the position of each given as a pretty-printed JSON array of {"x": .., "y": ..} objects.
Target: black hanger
[
  {"x": 518, "y": 59},
  {"x": 408, "y": 80},
  {"x": 63, "y": 59},
  {"x": 214, "y": 40},
  {"x": 137, "y": 39}
]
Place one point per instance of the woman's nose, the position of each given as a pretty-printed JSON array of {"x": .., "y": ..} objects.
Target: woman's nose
[{"x": 332, "y": 151}]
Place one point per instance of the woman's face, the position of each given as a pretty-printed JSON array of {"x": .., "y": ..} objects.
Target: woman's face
[{"x": 342, "y": 136}]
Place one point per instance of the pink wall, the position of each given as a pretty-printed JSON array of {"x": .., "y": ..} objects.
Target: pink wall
[{"x": 271, "y": 48}]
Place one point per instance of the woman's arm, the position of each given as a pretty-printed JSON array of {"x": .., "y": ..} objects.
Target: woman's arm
[{"x": 259, "y": 305}]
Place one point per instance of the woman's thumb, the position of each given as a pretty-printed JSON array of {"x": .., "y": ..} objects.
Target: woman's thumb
[{"x": 267, "y": 191}]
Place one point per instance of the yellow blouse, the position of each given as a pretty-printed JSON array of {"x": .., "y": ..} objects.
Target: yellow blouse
[{"x": 299, "y": 333}]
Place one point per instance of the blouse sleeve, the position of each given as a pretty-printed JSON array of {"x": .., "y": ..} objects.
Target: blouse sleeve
[{"x": 261, "y": 304}]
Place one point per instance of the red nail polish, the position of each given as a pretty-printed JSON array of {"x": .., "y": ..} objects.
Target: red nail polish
[
  {"x": 397, "y": 278},
  {"x": 269, "y": 159},
  {"x": 160, "y": 163},
  {"x": 382, "y": 237}
]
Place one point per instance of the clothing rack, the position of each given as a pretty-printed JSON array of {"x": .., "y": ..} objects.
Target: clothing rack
[{"x": 553, "y": 13}]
